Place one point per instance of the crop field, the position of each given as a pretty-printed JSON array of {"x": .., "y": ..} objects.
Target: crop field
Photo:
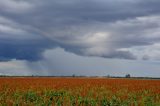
[{"x": 78, "y": 92}]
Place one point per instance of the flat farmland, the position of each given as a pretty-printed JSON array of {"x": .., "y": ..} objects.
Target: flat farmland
[{"x": 48, "y": 91}]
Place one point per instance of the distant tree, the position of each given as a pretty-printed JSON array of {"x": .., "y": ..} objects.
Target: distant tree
[
  {"x": 108, "y": 76},
  {"x": 128, "y": 76},
  {"x": 73, "y": 75}
]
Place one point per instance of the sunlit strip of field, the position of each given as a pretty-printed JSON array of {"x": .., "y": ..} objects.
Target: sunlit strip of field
[{"x": 79, "y": 92}]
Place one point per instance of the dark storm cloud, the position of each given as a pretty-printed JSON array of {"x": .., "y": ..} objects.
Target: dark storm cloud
[
  {"x": 22, "y": 50},
  {"x": 52, "y": 13},
  {"x": 104, "y": 28}
]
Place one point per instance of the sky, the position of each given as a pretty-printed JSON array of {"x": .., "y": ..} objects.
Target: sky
[{"x": 81, "y": 37}]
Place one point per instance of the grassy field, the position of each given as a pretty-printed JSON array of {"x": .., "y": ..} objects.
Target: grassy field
[{"x": 34, "y": 91}]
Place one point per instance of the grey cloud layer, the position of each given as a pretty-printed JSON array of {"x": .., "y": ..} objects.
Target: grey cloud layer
[{"x": 110, "y": 29}]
